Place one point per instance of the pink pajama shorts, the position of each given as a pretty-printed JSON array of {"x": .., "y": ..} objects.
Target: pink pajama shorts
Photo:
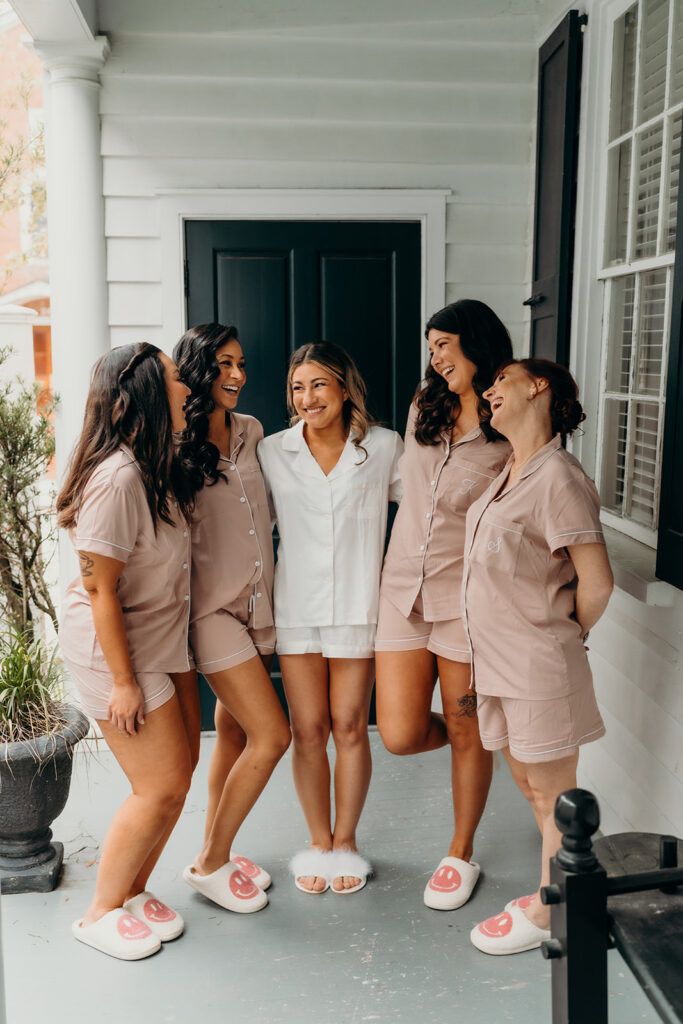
[
  {"x": 94, "y": 688},
  {"x": 224, "y": 639},
  {"x": 395, "y": 632},
  {"x": 540, "y": 730}
]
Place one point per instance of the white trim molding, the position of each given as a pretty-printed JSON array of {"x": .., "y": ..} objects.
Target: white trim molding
[{"x": 428, "y": 206}]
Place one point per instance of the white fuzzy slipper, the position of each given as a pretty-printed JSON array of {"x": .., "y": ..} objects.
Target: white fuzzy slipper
[
  {"x": 345, "y": 863},
  {"x": 258, "y": 875},
  {"x": 167, "y": 924},
  {"x": 310, "y": 863},
  {"x": 228, "y": 887},
  {"x": 508, "y": 932},
  {"x": 452, "y": 884},
  {"x": 118, "y": 934}
]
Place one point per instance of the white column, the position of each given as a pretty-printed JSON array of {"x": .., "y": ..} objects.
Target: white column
[{"x": 78, "y": 282}]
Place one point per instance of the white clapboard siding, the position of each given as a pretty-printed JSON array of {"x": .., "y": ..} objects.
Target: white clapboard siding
[
  {"x": 131, "y": 334},
  {"x": 488, "y": 224},
  {"x": 128, "y": 217},
  {"x": 133, "y": 259},
  {"x": 254, "y": 99},
  {"x": 272, "y": 57},
  {"x": 470, "y": 183},
  {"x": 135, "y": 303},
  {"x": 518, "y": 29},
  {"x": 636, "y": 771}
]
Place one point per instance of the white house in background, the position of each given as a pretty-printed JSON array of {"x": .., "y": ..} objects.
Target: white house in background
[{"x": 195, "y": 151}]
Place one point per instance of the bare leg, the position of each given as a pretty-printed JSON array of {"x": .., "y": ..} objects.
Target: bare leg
[
  {"x": 247, "y": 693},
  {"x": 188, "y": 698},
  {"x": 405, "y": 684},
  {"x": 350, "y": 690},
  {"x": 230, "y": 742},
  {"x": 546, "y": 780},
  {"x": 471, "y": 765},
  {"x": 305, "y": 677},
  {"x": 157, "y": 763}
]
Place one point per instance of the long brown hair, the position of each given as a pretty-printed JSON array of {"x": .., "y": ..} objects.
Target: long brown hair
[
  {"x": 485, "y": 341},
  {"x": 337, "y": 362},
  {"x": 127, "y": 404}
]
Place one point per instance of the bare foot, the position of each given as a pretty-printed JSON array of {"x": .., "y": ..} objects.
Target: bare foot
[
  {"x": 312, "y": 883},
  {"x": 537, "y": 913},
  {"x": 345, "y": 882}
]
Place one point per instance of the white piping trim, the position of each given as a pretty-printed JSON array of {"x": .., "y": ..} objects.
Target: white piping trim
[
  {"x": 575, "y": 533},
  {"x": 100, "y": 540}
]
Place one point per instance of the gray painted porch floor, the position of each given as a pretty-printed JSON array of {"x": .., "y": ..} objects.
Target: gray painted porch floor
[{"x": 379, "y": 955}]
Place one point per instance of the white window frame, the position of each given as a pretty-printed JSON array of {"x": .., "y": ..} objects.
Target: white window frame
[
  {"x": 427, "y": 206},
  {"x": 588, "y": 348}
]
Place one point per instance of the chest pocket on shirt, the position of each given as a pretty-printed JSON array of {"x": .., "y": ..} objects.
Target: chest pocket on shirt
[
  {"x": 364, "y": 501},
  {"x": 466, "y": 483},
  {"x": 498, "y": 544}
]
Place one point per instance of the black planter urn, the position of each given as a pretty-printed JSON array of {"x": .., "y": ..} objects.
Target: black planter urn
[{"x": 35, "y": 776}]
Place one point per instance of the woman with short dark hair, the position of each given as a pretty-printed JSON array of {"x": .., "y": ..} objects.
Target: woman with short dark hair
[{"x": 536, "y": 579}]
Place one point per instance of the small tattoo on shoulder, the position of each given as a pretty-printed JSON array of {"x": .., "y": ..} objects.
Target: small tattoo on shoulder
[
  {"x": 467, "y": 706},
  {"x": 86, "y": 563}
]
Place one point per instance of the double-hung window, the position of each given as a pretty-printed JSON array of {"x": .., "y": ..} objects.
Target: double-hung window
[{"x": 642, "y": 169}]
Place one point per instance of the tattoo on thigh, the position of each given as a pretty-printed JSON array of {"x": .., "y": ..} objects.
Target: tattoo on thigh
[
  {"x": 467, "y": 706},
  {"x": 86, "y": 563}
]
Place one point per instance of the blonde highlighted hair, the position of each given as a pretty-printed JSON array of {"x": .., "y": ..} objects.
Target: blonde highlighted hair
[{"x": 339, "y": 364}]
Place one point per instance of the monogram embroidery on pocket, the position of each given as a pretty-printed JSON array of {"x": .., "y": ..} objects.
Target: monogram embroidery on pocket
[
  {"x": 494, "y": 545},
  {"x": 467, "y": 486}
]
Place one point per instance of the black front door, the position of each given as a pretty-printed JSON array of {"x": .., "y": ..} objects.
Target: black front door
[{"x": 286, "y": 283}]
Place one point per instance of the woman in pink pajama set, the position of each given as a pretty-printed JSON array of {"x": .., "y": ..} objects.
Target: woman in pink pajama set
[
  {"x": 123, "y": 630},
  {"x": 451, "y": 456},
  {"x": 536, "y": 579},
  {"x": 231, "y": 622}
]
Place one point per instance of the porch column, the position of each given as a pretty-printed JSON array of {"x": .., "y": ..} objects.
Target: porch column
[{"x": 78, "y": 283}]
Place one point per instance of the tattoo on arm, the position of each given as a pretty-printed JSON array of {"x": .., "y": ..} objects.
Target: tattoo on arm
[
  {"x": 467, "y": 706},
  {"x": 86, "y": 563}
]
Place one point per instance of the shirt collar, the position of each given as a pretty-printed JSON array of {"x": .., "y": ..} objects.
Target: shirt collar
[
  {"x": 470, "y": 436},
  {"x": 539, "y": 457},
  {"x": 293, "y": 441}
]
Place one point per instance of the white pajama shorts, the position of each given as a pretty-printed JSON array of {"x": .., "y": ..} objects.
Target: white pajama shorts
[{"x": 330, "y": 641}]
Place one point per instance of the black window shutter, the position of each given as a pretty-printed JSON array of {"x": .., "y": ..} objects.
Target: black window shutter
[
  {"x": 670, "y": 541},
  {"x": 559, "y": 83}
]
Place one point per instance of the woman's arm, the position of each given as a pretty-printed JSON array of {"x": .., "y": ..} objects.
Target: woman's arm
[
  {"x": 595, "y": 582},
  {"x": 100, "y": 576}
]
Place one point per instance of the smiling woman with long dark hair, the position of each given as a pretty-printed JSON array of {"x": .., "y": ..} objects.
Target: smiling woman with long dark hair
[
  {"x": 451, "y": 455},
  {"x": 231, "y": 621},
  {"x": 123, "y": 629}
]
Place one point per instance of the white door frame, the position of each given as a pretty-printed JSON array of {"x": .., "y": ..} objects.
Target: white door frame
[{"x": 428, "y": 206}]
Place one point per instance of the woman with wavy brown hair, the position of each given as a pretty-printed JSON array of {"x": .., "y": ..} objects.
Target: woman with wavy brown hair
[
  {"x": 451, "y": 455},
  {"x": 123, "y": 629},
  {"x": 536, "y": 579},
  {"x": 330, "y": 477}
]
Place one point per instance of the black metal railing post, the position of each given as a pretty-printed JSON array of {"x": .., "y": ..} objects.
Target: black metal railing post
[{"x": 577, "y": 896}]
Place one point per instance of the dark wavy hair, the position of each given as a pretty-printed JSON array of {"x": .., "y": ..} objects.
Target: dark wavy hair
[
  {"x": 566, "y": 411},
  {"x": 341, "y": 366},
  {"x": 195, "y": 357},
  {"x": 485, "y": 341},
  {"x": 128, "y": 403}
]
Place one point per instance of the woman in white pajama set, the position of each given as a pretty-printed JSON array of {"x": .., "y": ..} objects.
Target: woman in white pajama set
[{"x": 330, "y": 478}]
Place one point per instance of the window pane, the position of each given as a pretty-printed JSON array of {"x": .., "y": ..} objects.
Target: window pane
[
  {"x": 619, "y": 182},
  {"x": 649, "y": 170},
  {"x": 677, "y": 55},
  {"x": 624, "y": 73},
  {"x": 653, "y": 46},
  {"x": 620, "y": 334},
  {"x": 672, "y": 184},
  {"x": 648, "y": 368},
  {"x": 614, "y": 455},
  {"x": 644, "y": 486}
]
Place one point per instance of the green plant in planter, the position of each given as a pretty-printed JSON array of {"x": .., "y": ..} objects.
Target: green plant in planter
[
  {"x": 38, "y": 730},
  {"x": 27, "y": 446}
]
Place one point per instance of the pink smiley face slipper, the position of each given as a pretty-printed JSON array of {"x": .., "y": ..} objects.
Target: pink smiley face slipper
[
  {"x": 167, "y": 924},
  {"x": 508, "y": 932},
  {"x": 118, "y": 934},
  {"x": 452, "y": 884},
  {"x": 258, "y": 875},
  {"x": 228, "y": 887}
]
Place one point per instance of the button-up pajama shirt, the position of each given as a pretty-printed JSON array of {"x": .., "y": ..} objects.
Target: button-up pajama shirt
[
  {"x": 422, "y": 574},
  {"x": 154, "y": 586},
  {"x": 519, "y": 590},
  {"x": 232, "y": 558}
]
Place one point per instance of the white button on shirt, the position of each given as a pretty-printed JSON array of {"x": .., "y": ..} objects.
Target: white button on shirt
[{"x": 331, "y": 528}]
